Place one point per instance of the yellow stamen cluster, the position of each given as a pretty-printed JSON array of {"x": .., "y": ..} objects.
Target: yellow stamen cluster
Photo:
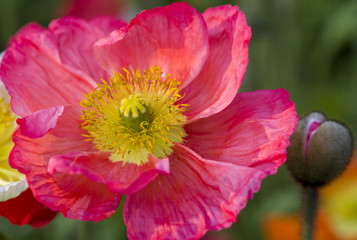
[
  {"x": 7, "y": 127},
  {"x": 135, "y": 114}
]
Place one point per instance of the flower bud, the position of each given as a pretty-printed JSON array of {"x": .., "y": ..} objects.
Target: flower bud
[{"x": 319, "y": 150}]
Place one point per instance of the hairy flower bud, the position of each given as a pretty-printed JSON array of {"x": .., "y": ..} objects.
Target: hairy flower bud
[{"x": 320, "y": 149}]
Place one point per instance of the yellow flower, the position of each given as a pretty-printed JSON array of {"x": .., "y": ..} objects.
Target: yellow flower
[{"x": 12, "y": 183}]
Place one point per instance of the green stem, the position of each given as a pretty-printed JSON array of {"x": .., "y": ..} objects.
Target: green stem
[
  {"x": 82, "y": 230},
  {"x": 309, "y": 208}
]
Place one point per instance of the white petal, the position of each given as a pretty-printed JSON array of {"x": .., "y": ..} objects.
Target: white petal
[{"x": 12, "y": 190}]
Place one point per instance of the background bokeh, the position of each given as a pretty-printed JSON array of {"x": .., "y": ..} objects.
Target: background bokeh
[{"x": 307, "y": 47}]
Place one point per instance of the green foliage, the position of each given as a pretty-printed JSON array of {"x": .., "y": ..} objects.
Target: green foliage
[{"x": 16, "y": 13}]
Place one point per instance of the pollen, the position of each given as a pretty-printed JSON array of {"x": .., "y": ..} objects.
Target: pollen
[
  {"x": 7, "y": 127},
  {"x": 135, "y": 114}
]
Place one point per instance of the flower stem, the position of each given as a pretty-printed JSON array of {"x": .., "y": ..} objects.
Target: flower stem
[
  {"x": 309, "y": 209},
  {"x": 82, "y": 230}
]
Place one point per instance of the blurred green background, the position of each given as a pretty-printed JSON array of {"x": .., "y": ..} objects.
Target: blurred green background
[{"x": 308, "y": 47}]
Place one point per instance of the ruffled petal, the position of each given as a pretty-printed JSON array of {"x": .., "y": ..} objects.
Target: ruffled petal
[
  {"x": 76, "y": 196},
  {"x": 97, "y": 167},
  {"x": 31, "y": 28},
  {"x": 173, "y": 37},
  {"x": 221, "y": 76},
  {"x": 44, "y": 68},
  {"x": 75, "y": 39},
  {"x": 63, "y": 135},
  {"x": 39, "y": 123},
  {"x": 253, "y": 131},
  {"x": 199, "y": 195},
  {"x": 25, "y": 209}
]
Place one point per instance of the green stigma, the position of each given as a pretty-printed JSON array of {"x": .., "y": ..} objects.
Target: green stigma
[
  {"x": 134, "y": 112},
  {"x": 133, "y": 106}
]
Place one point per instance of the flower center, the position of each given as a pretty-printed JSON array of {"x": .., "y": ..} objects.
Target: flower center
[
  {"x": 134, "y": 115},
  {"x": 133, "y": 106},
  {"x": 7, "y": 127},
  {"x": 134, "y": 112}
]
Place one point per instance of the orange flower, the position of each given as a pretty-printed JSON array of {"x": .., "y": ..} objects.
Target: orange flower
[{"x": 282, "y": 227}]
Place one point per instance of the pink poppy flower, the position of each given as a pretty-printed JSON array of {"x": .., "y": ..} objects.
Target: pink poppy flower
[{"x": 151, "y": 111}]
